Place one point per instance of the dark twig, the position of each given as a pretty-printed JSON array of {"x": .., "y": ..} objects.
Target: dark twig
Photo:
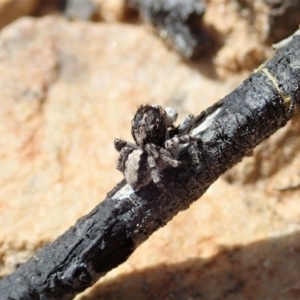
[
  {"x": 180, "y": 22},
  {"x": 105, "y": 237}
]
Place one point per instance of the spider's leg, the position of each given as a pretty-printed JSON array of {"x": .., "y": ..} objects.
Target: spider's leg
[
  {"x": 193, "y": 151},
  {"x": 154, "y": 171},
  {"x": 120, "y": 144},
  {"x": 185, "y": 127},
  {"x": 161, "y": 155},
  {"x": 123, "y": 157},
  {"x": 187, "y": 124},
  {"x": 168, "y": 157},
  {"x": 173, "y": 143}
]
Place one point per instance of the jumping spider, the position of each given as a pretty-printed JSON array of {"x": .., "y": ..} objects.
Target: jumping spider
[{"x": 157, "y": 141}]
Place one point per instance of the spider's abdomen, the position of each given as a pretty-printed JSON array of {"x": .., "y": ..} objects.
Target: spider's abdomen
[
  {"x": 137, "y": 172},
  {"x": 149, "y": 126}
]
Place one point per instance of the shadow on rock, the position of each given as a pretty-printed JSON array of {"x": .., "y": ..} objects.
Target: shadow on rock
[{"x": 261, "y": 270}]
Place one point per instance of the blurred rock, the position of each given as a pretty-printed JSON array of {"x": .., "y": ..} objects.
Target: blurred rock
[
  {"x": 95, "y": 10},
  {"x": 111, "y": 10},
  {"x": 273, "y": 19},
  {"x": 10, "y": 10},
  {"x": 80, "y": 9},
  {"x": 284, "y": 18}
]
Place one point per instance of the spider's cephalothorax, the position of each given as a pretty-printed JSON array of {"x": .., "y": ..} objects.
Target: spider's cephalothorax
[
  {"x": 156, "y": 141},
  {"x": 149, "y": 126}
]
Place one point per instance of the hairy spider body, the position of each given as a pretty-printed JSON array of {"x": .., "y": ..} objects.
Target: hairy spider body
[
  {"x": 157, "y": 140},
  {"x": 135, "y": 166},
  {"x": 148, "y": 126}
]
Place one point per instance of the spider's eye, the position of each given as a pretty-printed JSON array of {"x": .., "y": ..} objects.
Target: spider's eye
[{"x": 149, "y": 126}]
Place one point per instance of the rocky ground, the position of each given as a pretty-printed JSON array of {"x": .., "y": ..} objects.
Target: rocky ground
[{"x": 69, "y": 87}]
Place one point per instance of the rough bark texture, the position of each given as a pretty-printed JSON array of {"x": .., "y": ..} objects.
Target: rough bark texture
[{"x": 106, "y": 236}]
